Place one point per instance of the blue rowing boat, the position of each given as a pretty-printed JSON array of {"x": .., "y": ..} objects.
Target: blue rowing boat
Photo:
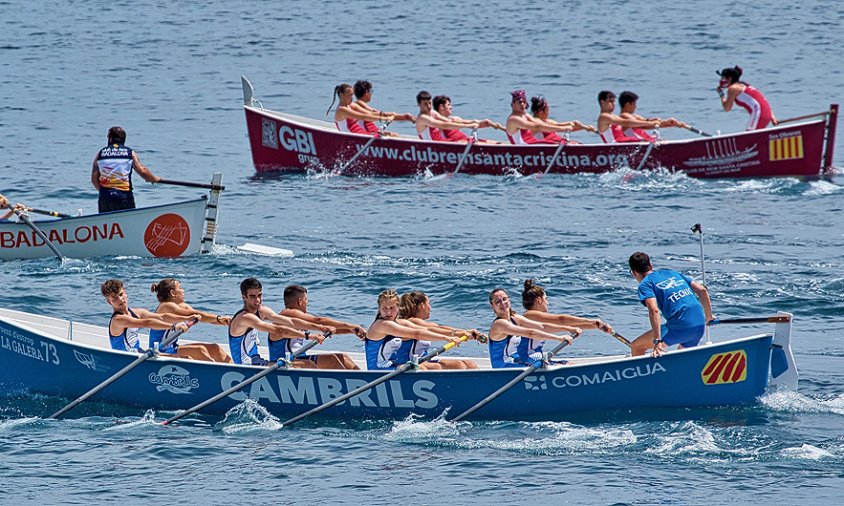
[{"x": 57, "y": 357}]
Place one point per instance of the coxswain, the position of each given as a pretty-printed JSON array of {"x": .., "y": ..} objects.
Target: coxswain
[
  {"x": 746, "y": 96},
  {"x": 112, "y": 173}
]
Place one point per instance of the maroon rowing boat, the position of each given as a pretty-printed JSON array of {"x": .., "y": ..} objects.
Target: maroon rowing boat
[{"x": 283, "y": 142}]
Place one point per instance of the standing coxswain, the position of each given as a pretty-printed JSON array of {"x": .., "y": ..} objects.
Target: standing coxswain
[
  {"x": 746, "y": 96},
  {"x": 112, "y": 173}
]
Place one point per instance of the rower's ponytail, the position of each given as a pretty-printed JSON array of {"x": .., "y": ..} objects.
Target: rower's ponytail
[{"x": 333, "y": 98}]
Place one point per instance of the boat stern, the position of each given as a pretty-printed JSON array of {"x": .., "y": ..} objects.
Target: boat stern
[{"x": 783, "y": 367}]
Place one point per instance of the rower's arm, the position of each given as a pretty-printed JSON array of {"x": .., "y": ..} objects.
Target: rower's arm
[
  {"x": 703, "y": 296},
  {"x": 653, "y": 317},
  {"x": 142, "y": 170},
  {"x": 95, "y": 175}
]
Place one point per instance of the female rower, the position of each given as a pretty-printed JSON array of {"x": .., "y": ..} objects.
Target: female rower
[
  {"x": 745, "y": 95},
  {"x": 385, "y": 340},
  {"x": 521, "y": 125},
  {"x": 415, "y": 308},
  {"x": 516, "y": 341},
  {"x": 171, "y": 299},
  {"x": 535, "y": 302},
  {"x": 363, "y": 93},
  {"x": 346, "y": 117},
  {"x": 540, "y": 109}
]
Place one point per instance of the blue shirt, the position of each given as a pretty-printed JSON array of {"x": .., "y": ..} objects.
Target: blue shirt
[{"x": 674, "y": 297}]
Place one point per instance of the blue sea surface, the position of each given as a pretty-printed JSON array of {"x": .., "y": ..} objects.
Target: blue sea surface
[{"x": 169, "y": 72}]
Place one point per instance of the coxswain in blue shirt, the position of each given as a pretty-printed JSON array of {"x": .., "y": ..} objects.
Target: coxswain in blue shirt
[
  {"x": 684, "y": 304},
  {"x": 254, "y": 317},
  {"x": 125, "y": 321},
  {"x": 516, "y": 341},
  {"x": 112, "y": 173}
]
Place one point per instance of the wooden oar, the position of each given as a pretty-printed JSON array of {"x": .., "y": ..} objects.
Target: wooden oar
[
  {"x": 192, "y": 185},
  {"x": 621, "y": 338},
  {"x": 363, "y": 388},
  {"x": 527, "y": 372},
  {"x": 248, "y": 381},
  {"x": 648, "y": 151},
  {"x": 364, "y": 148},
  {"x": 695, "y": 130},
  {"x": 469, "y": 144},
  {"x": 119, "y": 374},
  {"x": 762, "y": 319},
  {"x": 805, "y": 116},
  {"x": 557, "y": 153},
  {"x": 23, "y": 217},
  {"x": 55, "y": 214}
]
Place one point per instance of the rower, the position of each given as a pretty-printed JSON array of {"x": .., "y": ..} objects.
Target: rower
[
  {"x": 363, "y": 93},
  {"x": 415, "y": 309},
  {"x": 443, "y": 111},
  {"x": 296, "y": 306},
  {"x": 521, "y": 125},
  {"x": 7, "y": 216},
  {"x": 535, "y": 302},
  {"x": 346, "y": 118},
  {"x": 125, "y": 322},
  {"x": 254, "y": 317},
  {"x": 516, "y": 341},
  {"x": 610, "y": 125},
  {"x": 540, "y": 109},
  {"x": 627, "y": 100},
  {"x": 428, "y": 127}
]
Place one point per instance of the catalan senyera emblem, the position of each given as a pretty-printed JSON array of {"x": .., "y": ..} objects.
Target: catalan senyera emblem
[
  {"x": 724, "y": 368},
  {"x": 788, "y": 148}
]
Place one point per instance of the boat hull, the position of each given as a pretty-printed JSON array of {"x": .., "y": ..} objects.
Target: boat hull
[
  {"x": 285, "y": 143},
  {"x": 729, "y": 373},
  {"x": 169, "y": 230}
]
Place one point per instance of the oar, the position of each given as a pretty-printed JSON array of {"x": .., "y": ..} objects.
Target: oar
[
  {"x": 805, "y": 116},
  {"x": 621, "y": 338},
  {"x": 119, "y": 374},
  {"x": 363, "y": 388},
  {"x": 55, "y": 214},
  {"x": 244, "y": 383},
  {"x": 762, "y": 319},
  {"x": 695, "y": 130},
  {"x": 192, "y": 185},
  {"x": 648, "y": 151},
  {"x": 557, "y": 152},
  {"x": 469, "y": 144},
  {"x": 527, "y": 372},
  {"x": 364, "y": 148},
  {"x": 22, "y": 215}
]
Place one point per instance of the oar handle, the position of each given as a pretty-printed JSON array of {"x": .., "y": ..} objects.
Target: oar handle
[
  {"x": 762, "y": 319},
  {"x": 695, "y": 130},
  {"x": 621, "y": 338},
  {"x": 252, "y": 379},
  {"x": 167, "y": 341},
  {"x": 192, "y": 185}
]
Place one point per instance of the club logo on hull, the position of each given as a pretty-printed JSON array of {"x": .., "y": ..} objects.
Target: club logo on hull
[
  {"x": 174, "y": 379},
  {"x": 536, "y": 383},
  {"x": 167, "y": 235},
  {"x": 725, "y": 368}
]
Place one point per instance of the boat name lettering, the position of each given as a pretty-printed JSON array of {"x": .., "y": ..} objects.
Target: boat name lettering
[
  {"x": 293, "y": 139},
  {"x": 783, "y": 135},
  {"x": 26, "y": 346},
  {"x": 599, "y": 378},
  {"x": 315, "y": 391},
  {"x": 506, "y": 159},
  {"x": 81, "y": 234}
]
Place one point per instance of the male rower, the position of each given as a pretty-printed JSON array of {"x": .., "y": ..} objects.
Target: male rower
[
  {"x": 429, "y": 127},
  {"x": 684, "y": 304},
  {"x": 296, "y": 306},
  {"x": 4, "y": 203},
  {"x": 610, "y": 125},
  {"x": 443, "y": 111},
  {"x": 363, "y": 93},
  {"x": 254, "y": 317},
  {"x": 125, "y": 321},
  {"x": 112, "y": 173},
  {"x": 627, "y": 100}
]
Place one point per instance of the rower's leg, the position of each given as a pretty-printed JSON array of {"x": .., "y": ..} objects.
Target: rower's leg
[
  {"x": 451, "y": 363},
  {"x": 430, "y": 366},
  {"x": 329, "y": 361},
  {"x": 304, "y": 363},
  {"x": 194, "y": 351},
  {"x": 641, "y": 344},
  {"x": 217, "y": 353}
]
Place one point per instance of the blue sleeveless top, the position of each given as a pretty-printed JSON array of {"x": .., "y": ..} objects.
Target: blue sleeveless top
[
  {"x": 509, "y": 352},
  {"x": 128, "y": 339},
  {"x": 285, "y": 347},
  {"x": 244, "y": 348},
  {"x": 383, "y": 354},
  {"x": 156, "y": 336}
]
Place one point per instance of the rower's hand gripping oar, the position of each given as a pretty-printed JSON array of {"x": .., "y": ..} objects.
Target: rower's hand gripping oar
[
  {"x": 378, "y": 135},
  {"x": 25, "y": 218},
  {"x": 527, "y": 372},
  {"x": 119, "y": 374},
  {"x": 363, "y": 388},
  {"x": 248, "y": 381},
  {"x": 469, "y": 144}
]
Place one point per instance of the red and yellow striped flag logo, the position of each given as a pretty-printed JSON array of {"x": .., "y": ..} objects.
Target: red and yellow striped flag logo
[
  {"x": 788, "y": 148},
  {"x": 730, "y": 367}
]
